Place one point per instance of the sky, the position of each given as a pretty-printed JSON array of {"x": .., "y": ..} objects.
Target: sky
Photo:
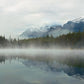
[{"x": 17, "y": 15}]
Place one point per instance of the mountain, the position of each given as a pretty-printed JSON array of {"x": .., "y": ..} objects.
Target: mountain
[
  {"x": 33, "y": 32},
  {"x": 75, "y": 25},
  {"x": 54, "y": 30},
  {"x": 57, "y": 31}
]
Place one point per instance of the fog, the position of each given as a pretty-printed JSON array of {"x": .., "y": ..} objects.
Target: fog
[
  {"x": 68, "y": 56},
  {"x": 38, "y": 51}
]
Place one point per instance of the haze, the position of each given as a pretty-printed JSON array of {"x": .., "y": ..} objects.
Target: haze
[{"x": 38, "y": 51}]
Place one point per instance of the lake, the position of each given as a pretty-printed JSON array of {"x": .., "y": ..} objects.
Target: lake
[{"x": 41, "y": 66}]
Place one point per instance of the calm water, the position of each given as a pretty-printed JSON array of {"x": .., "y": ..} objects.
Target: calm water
[{"x": 41, "y": 68}]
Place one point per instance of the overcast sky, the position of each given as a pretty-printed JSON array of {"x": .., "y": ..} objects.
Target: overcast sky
[{"x": 16, "y": 15}]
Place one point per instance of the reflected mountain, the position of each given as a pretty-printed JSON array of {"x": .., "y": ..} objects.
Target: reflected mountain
[
  {"x": 71, "y": 69},
  {"x": 70, "y": 65}
]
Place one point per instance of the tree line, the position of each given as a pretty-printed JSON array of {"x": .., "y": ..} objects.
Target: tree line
[{"x": 72, "y": 40}]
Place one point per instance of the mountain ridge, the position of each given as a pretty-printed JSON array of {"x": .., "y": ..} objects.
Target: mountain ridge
[{"x": 54, "y": 30}]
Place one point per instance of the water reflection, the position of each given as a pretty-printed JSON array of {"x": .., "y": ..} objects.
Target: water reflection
[
  {"x": 71, "y": 65},
  {"x": 2, "y": 59},
  {"x": 77, "y": 72}
]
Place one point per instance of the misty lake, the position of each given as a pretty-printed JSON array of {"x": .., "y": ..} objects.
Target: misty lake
[{"x": 41, "y": 66}]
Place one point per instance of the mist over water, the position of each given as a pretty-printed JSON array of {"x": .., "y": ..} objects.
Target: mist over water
[
  {"x": 37, "y": 51},
  {"x": 41, "y": 66}
]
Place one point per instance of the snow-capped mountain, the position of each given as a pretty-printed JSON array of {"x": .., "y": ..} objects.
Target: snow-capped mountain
[
  {"x": 35, "y": 31},
  {"x": 54, "y": 30},
  {"x": 75, "y": 25},
  {"x": 40, "y": 31},
  {"x": 78, "y": 20}
]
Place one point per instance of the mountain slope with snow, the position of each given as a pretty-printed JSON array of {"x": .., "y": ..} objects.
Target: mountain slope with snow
[
  {"x": 75, "y": 25},
  {"x": 33, "y": 32},
  {"x": 41, "y": 31},
  {"x": 54, "y": 30}
]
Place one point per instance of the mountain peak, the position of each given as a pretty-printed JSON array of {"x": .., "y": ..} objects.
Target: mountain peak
[{"x": 78, "y": 20}]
